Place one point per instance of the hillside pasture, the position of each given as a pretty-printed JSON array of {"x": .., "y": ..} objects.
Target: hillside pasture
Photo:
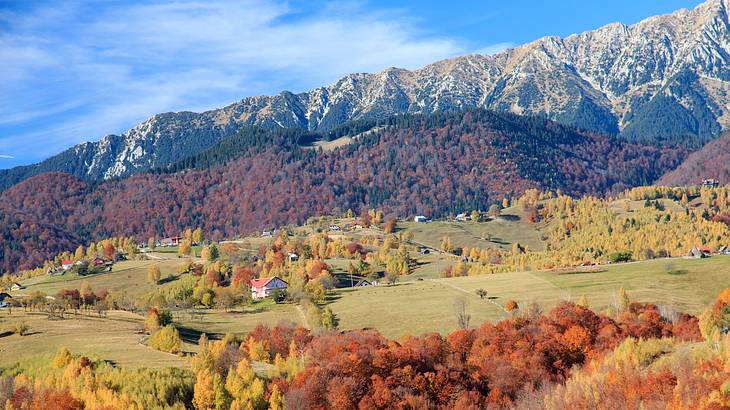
[
  {"x": 115, "y": 338},
  {"x": 127, "y": 276},
  {"x": 501, "y": 232},
  {"x": 240, "y": 321},
  {"x": 417, "y": 306}
]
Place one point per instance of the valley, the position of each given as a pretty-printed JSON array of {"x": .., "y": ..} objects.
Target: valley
[
  {"x": 417, "y": 302},
  {"x": 534, "y": 226}
]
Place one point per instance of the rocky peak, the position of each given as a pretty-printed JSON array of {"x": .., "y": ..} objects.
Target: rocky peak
[{"x": 662, "y": 78}]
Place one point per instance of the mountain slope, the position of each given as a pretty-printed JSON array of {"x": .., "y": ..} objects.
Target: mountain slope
[
  {"x": 433, "y": 165},
  {"x": 712, "y": 161},
  {"x": 665, "y": 78}
]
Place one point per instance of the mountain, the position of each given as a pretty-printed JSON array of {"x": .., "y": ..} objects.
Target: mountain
[
  {"x": 665, "y": 78},
  {"x": 712, "y": 161},
  {"x": 433, "y": 165}
]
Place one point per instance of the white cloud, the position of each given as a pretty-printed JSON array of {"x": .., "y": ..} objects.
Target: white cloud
[
  {"x": 77, "y": 72},
  {"x": 495, "y": 48},
  {"x": 3, "y": 156}
]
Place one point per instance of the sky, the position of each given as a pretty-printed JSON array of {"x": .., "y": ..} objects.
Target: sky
[{"x": 75, "y": 71}]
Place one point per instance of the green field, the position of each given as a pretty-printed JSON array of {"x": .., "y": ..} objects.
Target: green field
[
  {"x": 173, "y": 250},
  {"x": 421, "y": 302},
  {"x": 241, "y": 321},
  {"x": 501, "y": 232},
  {"x": 129, "y": 276},
  {"x": 115, "y": 338},
  {"x": 415, "y": 307}
]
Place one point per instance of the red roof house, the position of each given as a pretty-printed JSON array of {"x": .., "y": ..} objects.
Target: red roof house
[
  {"x": 706, "y": 250},
  {"x": 262, "y": 288},
  {"x": 171, "y": 241},
  {"x": 67, "y": 264}
]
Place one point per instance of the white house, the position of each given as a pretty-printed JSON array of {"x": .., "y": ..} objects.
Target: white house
[
  {"x": 171, "y": 241},
  {"x": 420, "y": 218},
  {"x": 67, "y": 264},
  {"x": 710, "y": 183},
  {"x": 262, "y": 288},
  {"x": 4, "y": 297},
  {"x": 17, "y": 286}
]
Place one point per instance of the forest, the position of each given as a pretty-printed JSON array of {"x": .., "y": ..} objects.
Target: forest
[
  {"x": 432, "y": 165},
  {"x": 708, "y": 162},
  {"x": 569, "y": 357}
]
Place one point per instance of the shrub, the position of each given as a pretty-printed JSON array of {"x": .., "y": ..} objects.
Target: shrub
[
  {"x": 63, "y": 358},
  {"x": 618, "y": 257},
  {"x": 21, "y": 329},
  {"x": 167, "y": 339},
  {"x": 152, "y": 322}
]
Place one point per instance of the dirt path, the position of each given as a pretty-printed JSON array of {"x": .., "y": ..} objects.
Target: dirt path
[
  {"x": 155, "y": 256},
  {"x": 305, "y": 322},
  {"x": 532, "y": 275},
  {"x": 460, "y": 289}
]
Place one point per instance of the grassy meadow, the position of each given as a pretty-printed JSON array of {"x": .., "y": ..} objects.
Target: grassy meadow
[
  {"x": 501, "y": 232},
  {"x": 127, "y": 276},
  {"x": 418, "y": 306},
  {"x": 115, "y": 338},
  {"x": 410, "y": 307},
  {"x": 418, "y": 303}
]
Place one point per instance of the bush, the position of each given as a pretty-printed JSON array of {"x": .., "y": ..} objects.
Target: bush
[
  {"x": 167, "y": 339},
  {"x": 21, "y": 329},
  {"x": 63, "y": 358},
  {"x": 165, "y": 317},
  {"x": 618, "y": 257}
]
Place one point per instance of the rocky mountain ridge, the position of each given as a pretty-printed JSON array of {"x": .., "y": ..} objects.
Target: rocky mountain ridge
[{"x": 664, "y": 78}]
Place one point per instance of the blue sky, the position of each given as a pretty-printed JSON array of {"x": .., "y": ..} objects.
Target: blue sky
[{"x": 76, "y": 71}]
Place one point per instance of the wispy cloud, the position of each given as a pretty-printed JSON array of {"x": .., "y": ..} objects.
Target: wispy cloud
[
  {"x": 75, "y": 72},
  {"x": 495, "y": 48},
  {"x": 3, "y": 156}
]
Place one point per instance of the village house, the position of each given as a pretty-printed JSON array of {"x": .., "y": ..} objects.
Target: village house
[
  {"x": 293, "y": 257},
  {"x": 266, "y": 234},
  {"x": 67, "y": 264},
  {"x": 462, "y": 217},
  {"x": 263, "y": 288},
  {"x": 710, "y": 183},
  {"x": 335, "y": 228},
  {"x": 171, "y": 241},
  {"x": 17, "y": 286},
  {"x": 363, "y": 283},
  {"x": 700, "y": 252},
  {"x": 419, "y": 218}
]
